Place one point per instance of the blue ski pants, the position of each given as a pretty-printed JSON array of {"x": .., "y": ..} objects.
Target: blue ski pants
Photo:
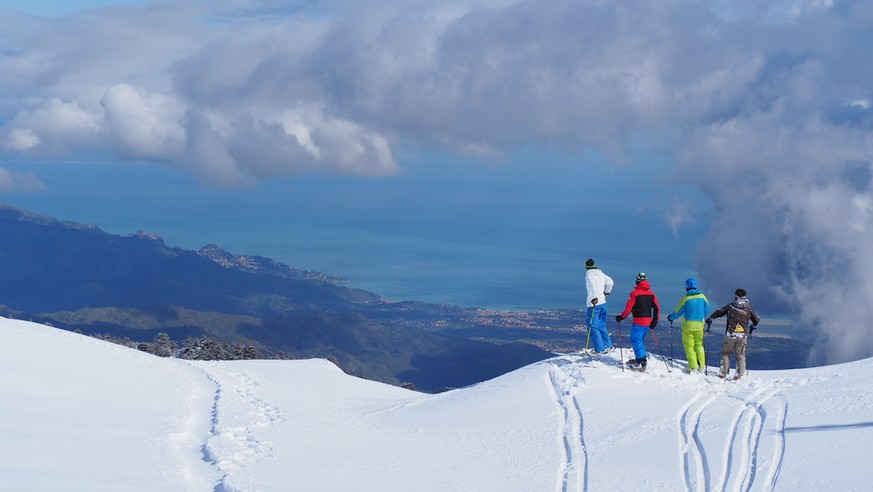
[
  {"x": 596, "y": 321},
  {"x": 638, "y": 334}
]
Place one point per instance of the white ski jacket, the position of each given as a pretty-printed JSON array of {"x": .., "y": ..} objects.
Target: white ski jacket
[{"x": 598, "y": 284}]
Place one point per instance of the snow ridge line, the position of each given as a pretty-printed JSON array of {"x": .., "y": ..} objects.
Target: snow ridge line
[
  {"x": 565, "y": 387},
  {"x": 689, "y": 424}
]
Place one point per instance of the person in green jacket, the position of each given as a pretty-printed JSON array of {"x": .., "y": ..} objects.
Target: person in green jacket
[{"x": 694, "y": 307}]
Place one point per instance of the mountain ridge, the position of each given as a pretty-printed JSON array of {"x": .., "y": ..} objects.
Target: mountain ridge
[{"x": 79, "y": 277}]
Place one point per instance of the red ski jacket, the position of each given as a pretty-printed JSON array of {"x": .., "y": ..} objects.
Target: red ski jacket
[{"x": 644, "y": 305}]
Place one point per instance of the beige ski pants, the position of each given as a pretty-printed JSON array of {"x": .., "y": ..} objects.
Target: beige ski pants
[{"x": 736, "y": 347}]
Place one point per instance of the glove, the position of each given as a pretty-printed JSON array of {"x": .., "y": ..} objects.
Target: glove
[
  {"x": 653, "y": 324},
  {"x": 708, "y": 321},
  {"x": 594, "y": 301},
  {"x": 618, "y": 318},
  {"x": 752, "y": 328},
  {"x": 605, "y": 294},
  {"x": 670, "y": 318}
]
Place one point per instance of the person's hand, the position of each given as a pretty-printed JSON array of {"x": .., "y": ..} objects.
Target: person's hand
[
  {"x": 708, "y": 321},
  {"x": 653, "y": 324},
  {"x": 594, "y": 301},
  {"x": 618, "y": 318},
  {"x": 752, "y": 328},
  {"x": 670, "y": 318}
]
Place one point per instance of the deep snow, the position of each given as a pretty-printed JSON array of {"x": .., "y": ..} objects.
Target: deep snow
[{"x": 77, "y": 413}]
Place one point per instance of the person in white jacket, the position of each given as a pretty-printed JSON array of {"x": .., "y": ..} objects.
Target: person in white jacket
[{"x": 599, "y": 285}]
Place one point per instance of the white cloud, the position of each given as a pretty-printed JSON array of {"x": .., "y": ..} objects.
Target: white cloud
[
  {"x": 53, "y": 126},
  {"x": 12, "y": 181},
  {"x": 794, "y": 227},
  {"x": 750, "y": 96},
  {"x": 860, "y": 103},
  {"x": 207, "y": 155},
  {"x": 859, "y": 218},
  {"x": 21, "y": 139},
  {"x": 145, "y": 125},
  {"x": 678, "y": 215}
]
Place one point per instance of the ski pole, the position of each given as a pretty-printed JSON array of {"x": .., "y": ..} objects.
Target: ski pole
[
  {"x": 620, "y": 351},
  {"x": 706, "y": 354},
  {"x": 661, "y": 351},
  {"x": 671, "y": 342},
  {"x": 706, "y": 351},
  {"x": 590, "y": 321}
]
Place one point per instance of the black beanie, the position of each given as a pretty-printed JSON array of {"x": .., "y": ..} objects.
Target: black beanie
[
  {"x": 589, "y": 264},
  {"x": 740, "y": 292}
]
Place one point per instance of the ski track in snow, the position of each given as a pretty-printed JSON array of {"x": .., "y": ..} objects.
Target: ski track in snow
[
  {"x": 747, "y": 455},
  {"x": 779, "y": 447},
  {"x": 574, "y": 476},
  {"x": 232, "y": 444},
  {"x": 752, "y": 418},
  {"x": 695, "y": 466}
]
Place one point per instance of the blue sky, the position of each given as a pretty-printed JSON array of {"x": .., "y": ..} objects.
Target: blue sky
[
  {"x": 59, "y": 8},
  {"x": 728, "y": 139}
]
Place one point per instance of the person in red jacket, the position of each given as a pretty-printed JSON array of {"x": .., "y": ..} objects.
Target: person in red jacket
[{"x": 643, "y": 303}]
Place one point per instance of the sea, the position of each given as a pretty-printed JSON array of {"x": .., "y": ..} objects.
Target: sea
[
  {"x": 513, "y": 236},
  {"x": 462, "y": 236}
]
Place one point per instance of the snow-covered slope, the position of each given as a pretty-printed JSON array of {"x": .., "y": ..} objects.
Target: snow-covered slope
[
  {"x": 80, "y": 414},
  {"x": 77, "y": 413}
]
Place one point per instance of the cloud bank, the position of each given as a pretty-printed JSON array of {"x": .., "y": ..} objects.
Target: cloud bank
[{"x": 766, "y": 106}]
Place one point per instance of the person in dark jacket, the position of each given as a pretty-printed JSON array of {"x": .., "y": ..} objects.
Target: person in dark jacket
[
  {"x": 741, "y": 322},
  {"x": 643, "y": 305}
]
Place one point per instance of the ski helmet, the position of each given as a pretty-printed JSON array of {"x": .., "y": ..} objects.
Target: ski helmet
[
  {"x": 641, "y": 276},
  {"x": 690, "y": 284}
]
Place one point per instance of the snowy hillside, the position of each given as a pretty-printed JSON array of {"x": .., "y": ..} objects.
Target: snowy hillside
[{"x": 80, "y": 414}]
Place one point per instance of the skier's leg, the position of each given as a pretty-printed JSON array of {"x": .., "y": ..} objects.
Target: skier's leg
[
  {"x": 740, "y": 350},
  {"x": 604, "y": 334},
  {"x": 594, "y": 328},
  {"x": 725, "y": 357},
  {"x": 645, "y": 331},
  {"x": 588, "y": 313},
  {"x": 695, "y": 330},
  {"x": 637, "y": 334},
  {"x": 698, "y": 347},
  {"x": 688, "y": 344}
]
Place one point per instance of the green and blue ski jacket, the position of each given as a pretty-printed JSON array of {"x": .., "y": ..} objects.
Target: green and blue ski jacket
[{"x": 694, "y": 306}]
